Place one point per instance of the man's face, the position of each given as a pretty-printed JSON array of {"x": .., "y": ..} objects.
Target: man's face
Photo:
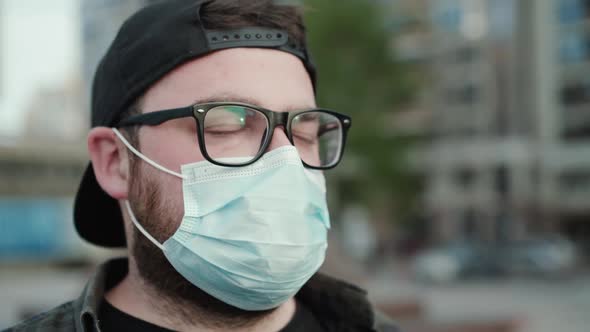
[{"x": 268, "y": 78}]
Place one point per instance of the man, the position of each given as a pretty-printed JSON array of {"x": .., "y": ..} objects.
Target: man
[{"x": 207, "y": 151}]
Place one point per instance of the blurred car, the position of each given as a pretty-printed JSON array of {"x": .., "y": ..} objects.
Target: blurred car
[
  {"x": 544, "y": 257},
  {"x": 541, "y": 257},
  {"x": 455, "y": 261}
]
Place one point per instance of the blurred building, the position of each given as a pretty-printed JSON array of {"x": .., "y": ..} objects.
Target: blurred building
[
  {"x": 101, "y": 19},
  {"x": 510, "y": 94},
  {"x": 412, "y": 45},
  {"x": 67, "y": 123}
]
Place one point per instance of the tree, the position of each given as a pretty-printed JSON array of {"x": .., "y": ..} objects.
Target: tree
[{"x": 360, "y": 76}]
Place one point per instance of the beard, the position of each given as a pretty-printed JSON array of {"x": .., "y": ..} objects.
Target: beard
[{"x": 176, "y": 295}]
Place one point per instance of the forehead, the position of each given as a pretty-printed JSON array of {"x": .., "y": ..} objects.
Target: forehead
[{"x": 269, "y": 78}]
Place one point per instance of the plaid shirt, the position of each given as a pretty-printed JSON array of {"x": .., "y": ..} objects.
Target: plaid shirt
[{"x": 339, "y": 306}]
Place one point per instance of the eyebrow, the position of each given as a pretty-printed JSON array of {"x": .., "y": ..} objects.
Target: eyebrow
[{"x": 228, "y": 97}]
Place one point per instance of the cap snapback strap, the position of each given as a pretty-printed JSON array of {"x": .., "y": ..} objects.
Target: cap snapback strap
[{"x": 254, "y": 37}]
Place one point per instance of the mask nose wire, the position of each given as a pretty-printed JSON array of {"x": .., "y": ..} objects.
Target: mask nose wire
[{"x": 146, "y": 159}]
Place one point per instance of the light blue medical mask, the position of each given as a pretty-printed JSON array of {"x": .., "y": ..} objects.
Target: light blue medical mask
[{"x": 251, "y": 236}]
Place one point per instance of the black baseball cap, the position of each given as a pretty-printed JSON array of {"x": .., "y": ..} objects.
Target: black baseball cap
[{"x": 150, "y": 44}]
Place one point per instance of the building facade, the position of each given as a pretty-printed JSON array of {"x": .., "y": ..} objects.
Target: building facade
[
  {"x": 510, "y": 152},
  {"x": 101, "y": 19}
]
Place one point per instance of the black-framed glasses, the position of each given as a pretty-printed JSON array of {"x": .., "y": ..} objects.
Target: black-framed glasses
[{"x": 238, "y": 134}]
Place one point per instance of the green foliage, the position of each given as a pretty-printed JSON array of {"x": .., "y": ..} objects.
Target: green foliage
[{"x": 359, "y": 76}]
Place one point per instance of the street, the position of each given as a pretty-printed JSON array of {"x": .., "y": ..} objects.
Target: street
[{"x": 541, "y": 305}]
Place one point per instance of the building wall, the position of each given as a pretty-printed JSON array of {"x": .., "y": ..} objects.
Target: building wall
[
  {"x": 101, "y": 19},
  {"x": 506, "y": 158}
]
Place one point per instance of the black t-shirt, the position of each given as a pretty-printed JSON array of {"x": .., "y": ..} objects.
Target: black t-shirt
[{"x": 112, "y": 319}]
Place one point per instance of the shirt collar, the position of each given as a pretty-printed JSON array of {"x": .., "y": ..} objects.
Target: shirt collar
[{"x": 87, "y": 305}]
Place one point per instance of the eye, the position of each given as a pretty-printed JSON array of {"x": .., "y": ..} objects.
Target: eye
[
  {"x": 223, "y": 129},
  {"x": 225, "y": 119},
  {"x": 305, "y": 137}
]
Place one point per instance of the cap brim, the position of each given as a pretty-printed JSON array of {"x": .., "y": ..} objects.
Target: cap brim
[{"x": 97, "y": 216}]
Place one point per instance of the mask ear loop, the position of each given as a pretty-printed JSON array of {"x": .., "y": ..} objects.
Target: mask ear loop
[
  {"x": 146, "y": 159},
  {"x": 141, "y": 229}
]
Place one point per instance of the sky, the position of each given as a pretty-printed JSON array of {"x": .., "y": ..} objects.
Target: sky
[{"x": 39, "y": 45}]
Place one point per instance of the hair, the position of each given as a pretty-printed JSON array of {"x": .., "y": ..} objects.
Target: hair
[{"x": 235, "y": 14}]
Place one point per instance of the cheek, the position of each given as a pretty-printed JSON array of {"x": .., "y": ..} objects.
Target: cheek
[
  {"x": 170, "y": 147},
  {"x": 170, "y": 206},
  {"x": 172, "y": 198}
]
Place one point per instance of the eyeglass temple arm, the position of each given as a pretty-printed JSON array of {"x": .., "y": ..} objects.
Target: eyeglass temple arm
[{"x": 156, "y": 118}]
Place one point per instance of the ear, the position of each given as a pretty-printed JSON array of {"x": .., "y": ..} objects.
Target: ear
[{"x": 110, "y": 162}]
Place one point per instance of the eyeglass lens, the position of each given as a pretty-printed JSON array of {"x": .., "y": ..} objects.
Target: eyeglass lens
[{"x": 235, "y": 135}]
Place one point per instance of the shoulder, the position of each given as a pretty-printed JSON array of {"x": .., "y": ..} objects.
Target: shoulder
[
  {"x": 342, "y": 305},
  {"x": 60, "y": 319},
  {"x": 383, "y": 323}
]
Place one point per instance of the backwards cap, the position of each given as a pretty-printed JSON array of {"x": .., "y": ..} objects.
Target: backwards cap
[{"x": 150, "y": 44}]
